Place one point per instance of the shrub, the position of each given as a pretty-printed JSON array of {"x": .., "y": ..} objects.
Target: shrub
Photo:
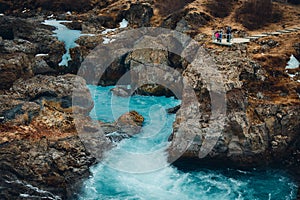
[
  {"x": 255, "y": 14},
  {"x": 220, "y": 8},
  {"x": 167, "y": 7}
]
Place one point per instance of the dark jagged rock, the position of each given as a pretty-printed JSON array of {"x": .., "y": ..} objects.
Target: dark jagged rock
[
  {"x": 297, "y": 48},
  {"x": 255, "y": 131},
  {"x": 40, "y": 66},
  {"x": 56, "y": 5},
  {"x": 30, "y": 37},
  {"x": 138, "y": 15},
  {"x": 18, "y": 46},
  {"x": 144, "y": 62},
  {"x": 192, "y": 19},
  {"x": 55, "y": 167},
  {"x": 45, "y": 129},
  {"x": 13, "y": 67},
  {"x": 95, "y": 24},
  {"x": 38, "y": 131},
  {"x": 173, "y": 110}
]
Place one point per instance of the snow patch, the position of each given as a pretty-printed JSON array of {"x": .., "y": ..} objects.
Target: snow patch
[
  {"x": 293, "y": 63},
  {"x": 41, "y": 55},
  {"x": 25, "y": 10},
  {"x": 123, "y": 23},
  {"x": 1, "y": 14},
  {"x": 107, "y": 40},
  {"x": 108, "y": 30},
  {"x": 50, "y": 16}
]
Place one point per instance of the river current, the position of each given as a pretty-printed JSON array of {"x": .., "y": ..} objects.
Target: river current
[{"x": 125, "y": 175}]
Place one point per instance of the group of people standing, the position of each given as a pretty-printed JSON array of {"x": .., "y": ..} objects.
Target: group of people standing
[{"x": 219, "y": 34}]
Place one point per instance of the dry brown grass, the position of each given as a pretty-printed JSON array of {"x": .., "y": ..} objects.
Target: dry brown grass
[
  {"x": 65, "y": 5},
  {"x": 167, "y": 7},
  {"x": 254, "y": 14},
  {"x": 220, "y": 8}
]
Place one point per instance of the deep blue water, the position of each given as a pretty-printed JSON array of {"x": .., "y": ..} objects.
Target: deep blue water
[{"x": 137, "y": 168}]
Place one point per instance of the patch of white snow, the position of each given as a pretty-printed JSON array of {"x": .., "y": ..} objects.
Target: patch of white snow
[{"x": 293, "y": 63}]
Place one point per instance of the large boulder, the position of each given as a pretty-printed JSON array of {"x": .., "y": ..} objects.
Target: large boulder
[
  {"x": 297, "y": 49},
  {"x": 130, "y": 123}
]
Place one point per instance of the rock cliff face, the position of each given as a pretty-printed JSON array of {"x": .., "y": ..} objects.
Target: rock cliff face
[
  {"x": 47, "y": 140},
  {"x": 41, "y": 152},
  {"x": 260, "y": 128}
]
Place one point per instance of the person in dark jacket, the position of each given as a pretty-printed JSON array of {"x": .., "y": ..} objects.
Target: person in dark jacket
[
  {"x": 228, "y": 33},
  {"x": 220, "y": 36}
]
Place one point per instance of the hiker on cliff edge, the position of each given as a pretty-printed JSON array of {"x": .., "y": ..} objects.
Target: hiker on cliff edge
[
  {"x": 228, "y": 33},
  {"x": 220, "y": 36},
  {"x": 217, "y": 36}
]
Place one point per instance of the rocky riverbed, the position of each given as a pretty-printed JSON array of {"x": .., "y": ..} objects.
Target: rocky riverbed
[{"x": 41, "y": 153}]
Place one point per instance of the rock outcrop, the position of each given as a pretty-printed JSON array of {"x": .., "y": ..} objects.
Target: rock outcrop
[
  {"x": 258, "y": 130},
  {"x": 48, "y": 141},
  {"x": 13, "y": 67},
  {"x": 130, "y": 123},
  {"x": 138, "y": 15},
  {"x": 41, "y": 153},
  {"x": 31, "y": 38}
]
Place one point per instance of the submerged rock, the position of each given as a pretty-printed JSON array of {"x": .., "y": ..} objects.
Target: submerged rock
[
  {"x": 130, "y": 123},
  {"x": 173, "y": 110},
  {"x": 121, "y": 91}
]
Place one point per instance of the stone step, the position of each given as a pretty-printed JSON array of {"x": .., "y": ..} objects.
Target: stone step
[
  {"x": 291, "y": 29},
  {"x": 240, "y": 40},
  {"x": 274, "y": 33},
  {"x": 259, "y": 35},
  {"x": 283, "y": 31}
]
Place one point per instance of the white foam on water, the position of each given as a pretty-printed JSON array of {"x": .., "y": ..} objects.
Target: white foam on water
[
  {"x": 36, "y": 189},
  {"x": 127, "y": 170}
]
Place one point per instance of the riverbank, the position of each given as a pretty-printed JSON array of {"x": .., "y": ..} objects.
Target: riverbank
[{"x": 39, "y": 138}]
